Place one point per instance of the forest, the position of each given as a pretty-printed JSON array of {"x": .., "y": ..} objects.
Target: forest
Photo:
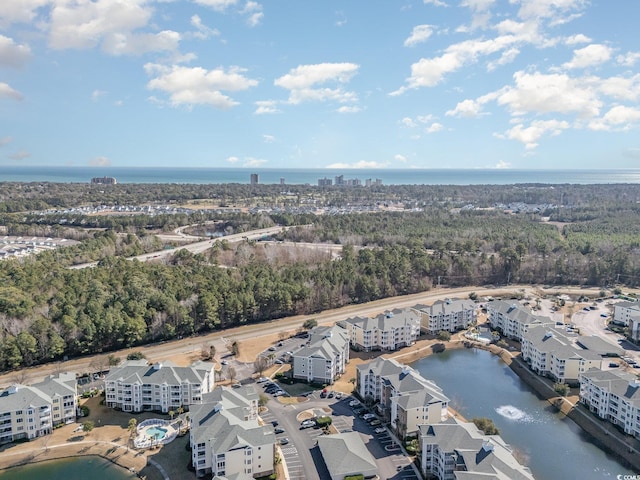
[{"x": 48, "y": 311}]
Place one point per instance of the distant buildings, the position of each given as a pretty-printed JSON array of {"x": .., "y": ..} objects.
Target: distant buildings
[
  {"x": 325, "y": 356},
  {"x": 340, "y": 181},
  {"x": 388, "y": 331},
  {"x": 254, "y": 179},
  {"x": 104, "y": 180},
  {"x": 325, "y": 182},
  {"x": 136, "y": 386},
  {"x": 226, "y": 438},
  {"x": 33, "y": 411},
  {"x": 512, "y": 319}
]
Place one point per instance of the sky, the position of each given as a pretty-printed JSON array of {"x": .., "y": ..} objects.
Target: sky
[{"x": 521, "y": 84}]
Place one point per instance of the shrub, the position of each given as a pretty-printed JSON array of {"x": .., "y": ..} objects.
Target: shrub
[
  {"x": 486, "y": 425},
  {"x": 561, "y": 389}
]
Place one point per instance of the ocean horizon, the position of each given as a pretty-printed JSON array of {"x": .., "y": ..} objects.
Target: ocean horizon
[{"x": 310, "y": 176}]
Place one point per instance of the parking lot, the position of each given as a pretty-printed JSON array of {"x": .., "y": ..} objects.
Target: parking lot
[{"x": 301, "y": 454}]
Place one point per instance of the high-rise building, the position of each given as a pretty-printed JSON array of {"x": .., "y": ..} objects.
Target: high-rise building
[{"x": 254, "y": 179}]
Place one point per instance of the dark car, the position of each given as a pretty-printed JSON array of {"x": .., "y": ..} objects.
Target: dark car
[
  {"x": 275, "y": 423},
  {"x": 279, "y": 430}
]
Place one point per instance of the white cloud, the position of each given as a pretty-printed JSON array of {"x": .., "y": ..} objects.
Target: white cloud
[
  {"x": 629, "y": 59},
  {"x": 254, "y": 13},
  {"x": 360, "y": 164},
  {"x": 591, "y": 55},
  {"x": 620, "y": 117},
  {"x": 196, "y": 85},
  {"x": 420, "y": 33},
  {"x": 342, "y": 19},
  {"x": 12, "y": 54},
  {"x": 549, "y": 8},
  {"x": 266, "y": 106},
  {"x": 100, "y": 162},
  {"x": 302, "y": 82},
  {"x": 253, "y": 162},
  {"x": 434, "y": 127},
  {"x": 408, "y": 122},
  {"x": 5, "y": 141},
  {"x": 348, "y": 109},
  {"x": 20, "y": 11},
  {"x": 619, "y": 88},
  {"x": 97, "y": 94},
  {"x": 138, "y": 44},
  {"x": 400, "y": 158},
  {"x": 268, "y": 138},
  {"x": 437, "y": 3},
  {"x": 531, "y": 134},
  {"x": 21, "y": 155},
  {"x": 507, "y": 56},
  {"x": 82, "y": 24},
  {"x": 233, "y": 160},
  {"x": 502, "y": 164},
  {"x": 478, "y": 5},
  {"x": 8, "y": 92},
  {"x": 219, "y": 5},
  {"x": 202, "y": 31},
  {"x": 542, "y": 93},
  {"x": 467, "y": 108},
  {"x": 577, "y": 39}
]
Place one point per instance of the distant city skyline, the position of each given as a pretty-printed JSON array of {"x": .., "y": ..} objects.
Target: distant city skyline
[{"x": 407, "y": 84}]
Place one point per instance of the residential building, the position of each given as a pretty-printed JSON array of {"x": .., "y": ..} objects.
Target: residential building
[
  {"x": 634, "y": 328},
  {"x": 387, "y": 331},
  {"x": 404, "y": 398},
  {"x": 136, "y": 386},
  {"x": 625, "y": 311},
  {"x": 254, "y": 179},
  {"x": 62, "y": 390},
  {"x": 512, "y": 319},
  {"x": 554, "y": 353},
  {"x": 226, "y": 437},
  {"x": 458, "y": 450},
  {"x": 614, "y": 396},
  {"x": 33, "y": 411},
  {"x": 346, "y": 455},
  {"x": 448, "y": 315},
  {"x": 325, "y": 356}
]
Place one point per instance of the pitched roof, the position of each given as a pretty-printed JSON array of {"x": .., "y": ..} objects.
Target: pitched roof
[
  {"x": 622, "y": 384},
  {"x": 21, "y": 397},
  {"x": 346, "y": 454},
  {"x": 139, "y": 371}
]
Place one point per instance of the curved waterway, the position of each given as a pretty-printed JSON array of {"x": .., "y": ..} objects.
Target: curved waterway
[
  {"x": 88, "y": 467},
  {"x": 479, "y": 384}
]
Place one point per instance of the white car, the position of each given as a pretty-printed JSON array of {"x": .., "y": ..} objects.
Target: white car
[
  {"x": 262, "y": 380},
  {"x": 354, "y": 403},
  {"x": 380, "y": 430},
  {"x": 368, "y": 416}
]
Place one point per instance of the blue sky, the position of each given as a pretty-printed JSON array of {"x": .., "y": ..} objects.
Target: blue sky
[{"x": 347, "y": 84}]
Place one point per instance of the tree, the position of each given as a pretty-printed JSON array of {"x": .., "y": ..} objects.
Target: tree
[
  {"x": 262, "y": 399},
  {"x": 561, "y": 389},
  {"x": 444, "y": 336},
  {"x": 87, "y": 426},
  {"x": 235, "y": 348},
  {"x": 113, "y": 360},
  {"x": 260, "y": 365},
  {"x": 309, "y": 324},
  {"x": 231, "y": 374},
  {"x": 136, "y": 356},
  {"x": 132, "y": 427},
  {"x": 172, "y": 414},
  {"x": 486, "y": 425},
  {"x": 473, "y": 296}
]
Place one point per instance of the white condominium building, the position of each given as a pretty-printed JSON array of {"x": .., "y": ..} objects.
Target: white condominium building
[
  {"x": 136, "y": 386},
  {"x": 387, "y": 331},
  {"x": 325, "y": 356},
  {"x": 448, "y": 315},
  {"x": 512, "y": 319}
]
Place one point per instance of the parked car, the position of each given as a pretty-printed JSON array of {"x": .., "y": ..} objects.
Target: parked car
[
  {"x": 368, "y": 416},
  {"x": 380, "y": 430},
  {"x": 262, "y": 380},
  {"x": 339, "y": 395},
  {"x": 354, "y": 403},
  {"x": 274, "y": 423},
  {"x": 331, "y": 394},
  {"x": 284, "y": 441},
  {"x": 307, "y": 424},
  {"x": 224, "y": 362},
  {"x": 278, "y": 430},
  {"x": 375, "y": 422},
  {"x": 236, "y": 385}
]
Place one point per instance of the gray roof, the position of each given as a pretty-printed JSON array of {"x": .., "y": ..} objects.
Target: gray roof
[
  {"x": 549, "y": 339},
  {"x": 21, "y": 397},
  {"x": 447, "y": 307},
  {"x": 482, "y": 456},
  {"x": 346, "y": 454},
  {"x": 61, "y": 385},
  {"x": 139, "y": 371},
  {"x": 385, "y": 321},
  {"x": 622, "y": 384},
  {"x": 516, "y": 312},
  {"x": 324, "y": 342},
  {"x": 598, "y": 345},
  {"x": 221, "y": 421}
]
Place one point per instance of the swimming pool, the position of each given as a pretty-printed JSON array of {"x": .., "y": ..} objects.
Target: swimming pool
[{"x": 157, "y": 433}]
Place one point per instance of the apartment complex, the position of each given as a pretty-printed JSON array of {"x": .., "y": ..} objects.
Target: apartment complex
[
  {"x": 33, "y": 411},
  {"x": 448, "y": 315},
  {"x": 558, "y": 354},
  {"x": 512, "y": 319},
  {"x": 346, "y": 455},
  {"x": 625, "y": 312},
  {"x": 405, "y": 400},
  {"x": 458, "y": 450},
  {"x": 387, "y": 331},
  {"x": 137, "y": 386},
  {"x": 226, "y": 437},
  {"x": 614, "y": 396},
  {"x": 325, "y": 356}
]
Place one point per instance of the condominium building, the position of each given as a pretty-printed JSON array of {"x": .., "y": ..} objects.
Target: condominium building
[
  {"x": 137, "y": 386},
  {"x": 614, "y": 396},
  {"x": 624, "y": 312},
  {"x": 226, "y": 437},
  {"x": 387, "y": 331},
  {"x": 448, "y": 315},
  {"x": 512, "y": 319},
  {"x": 455, "y": 450},
  {"x": 404, "y": 398},
  {"x": 553, "y": 353},
  {"x": 32, "y": 411},
  {"x": 324, "y": 358}
]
